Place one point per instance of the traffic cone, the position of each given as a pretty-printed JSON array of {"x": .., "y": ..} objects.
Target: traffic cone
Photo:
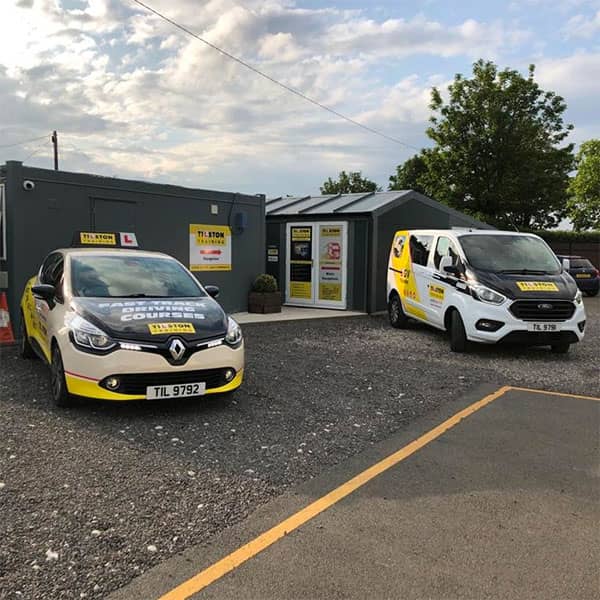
[{"x": 6, "y": 334}]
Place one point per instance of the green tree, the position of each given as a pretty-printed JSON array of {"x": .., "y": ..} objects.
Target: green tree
[
  {"x": 409, "y": 175},
  {"x": 583, "y": 207},
  {"x": 497, "y": 153},
  {"x": 349, "y": 183}
]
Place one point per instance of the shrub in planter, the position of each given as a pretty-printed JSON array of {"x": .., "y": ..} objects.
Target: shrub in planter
[{"x": 264, "y": 297}]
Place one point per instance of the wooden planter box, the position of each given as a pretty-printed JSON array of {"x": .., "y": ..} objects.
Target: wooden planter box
[{"x": 264, "y": 303}]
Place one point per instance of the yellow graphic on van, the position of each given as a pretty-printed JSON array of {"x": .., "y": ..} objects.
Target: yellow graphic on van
[
  {"x": 406, "y": 283},
  {"x": 537, "y": 286},
  {"x": 436, "y": 292},
  {"x": 165, "y": 328}
]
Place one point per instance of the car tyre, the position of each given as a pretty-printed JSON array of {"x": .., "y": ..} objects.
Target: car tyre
[
  {"x": 59, "y": 393},
  {"x": 25, "y": 348},
  {"x": 458, "y": 335},
  {"x": 560, "y": 348},
  {"x": 398, "y": 318}
]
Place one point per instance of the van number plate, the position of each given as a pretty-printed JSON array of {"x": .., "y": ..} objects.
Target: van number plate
[
  {"x": 543, "y": 327},
  {"x": 180, "y": 390}
]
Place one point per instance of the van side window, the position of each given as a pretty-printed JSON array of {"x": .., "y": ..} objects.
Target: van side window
[
  {"x": 47, "y": 273},
  {"x": 420, "y": 246},
  {"x": 445, "y": 247}
]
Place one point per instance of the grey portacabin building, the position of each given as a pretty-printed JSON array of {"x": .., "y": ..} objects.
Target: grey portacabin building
[
  {"x": 40, "y": 209},
  {"x": 331, "y": 251}
]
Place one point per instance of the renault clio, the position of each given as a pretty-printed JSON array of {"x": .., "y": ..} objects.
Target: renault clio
[
  {"x": 484, "y": 286},
  {"x": 117, "y": 323}
]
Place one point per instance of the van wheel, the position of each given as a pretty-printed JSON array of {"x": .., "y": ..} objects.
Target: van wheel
[
  {"x": 560, "y": 348},
  {"x": 397, "y": 317},
  {"x": 25, "y": 348},
  {"x": 458, "y": 335},
  {"x": 60, "y": 396}
]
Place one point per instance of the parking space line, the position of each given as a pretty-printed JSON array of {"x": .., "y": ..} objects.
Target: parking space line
[
  {"x": 227, "y": 564},
  {"x": 547, "y": 393}
]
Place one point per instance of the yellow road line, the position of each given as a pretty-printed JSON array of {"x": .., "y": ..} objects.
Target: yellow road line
[
  {"x": 533, "y": 391},
  {"x": 263, "y": 541}
]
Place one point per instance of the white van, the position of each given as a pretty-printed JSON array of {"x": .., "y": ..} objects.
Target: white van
[{"x": 484, "y": 286}]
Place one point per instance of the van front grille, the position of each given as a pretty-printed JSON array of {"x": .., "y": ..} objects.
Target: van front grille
[{"x": 542, "y": 310}]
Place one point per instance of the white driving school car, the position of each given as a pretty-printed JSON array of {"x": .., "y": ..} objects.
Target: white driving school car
[
  {"x": 484, "y": 286},
  {"x": 117, "y": 323}
]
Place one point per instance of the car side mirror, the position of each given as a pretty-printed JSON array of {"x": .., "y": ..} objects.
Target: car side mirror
[
  {"x": 446, "y": 266},
  {"x": 566, "y": 263},
  {"x": 212, "y": 290},
  {"x": 46, "y": 292}
]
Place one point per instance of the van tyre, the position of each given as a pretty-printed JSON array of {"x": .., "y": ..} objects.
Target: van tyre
[
  {"x": 458, "y": 335},
  {"x": 25, "y": 348},
  {"x": 398, "y": 318},
  {"x": 59, "y": 394},
  {"x": 560, "y": 348}
]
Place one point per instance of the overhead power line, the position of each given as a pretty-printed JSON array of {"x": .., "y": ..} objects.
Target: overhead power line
[
  {"x": 273, "y": 80},
  {"x": 24, "y": 142}
]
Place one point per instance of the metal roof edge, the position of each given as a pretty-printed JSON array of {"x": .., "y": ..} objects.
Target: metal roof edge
[
  {"x": 345, "y": 206},
  {"x": 402, "y": 197},
  {"x": 334, "y": 197},
  {"x": 293, "y": 201}
]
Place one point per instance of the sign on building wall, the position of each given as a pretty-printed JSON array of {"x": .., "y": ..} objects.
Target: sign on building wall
[
  {"x": 210, "y": 248},
  {"x": 2, "y": 223},
  {"x": 301, "y": 263},
  {"x": 330, "y": 262}
]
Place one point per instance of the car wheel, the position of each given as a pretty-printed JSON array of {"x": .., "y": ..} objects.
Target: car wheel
[
  {"x": 458, "y": 335},
  {"x": 25, "y": 347},
  {"x": 592, "y": 293},
  {"x": 396, "y": 314},
  {"x": 59, "y": 394},
  {"x": 560, "y": 348}
]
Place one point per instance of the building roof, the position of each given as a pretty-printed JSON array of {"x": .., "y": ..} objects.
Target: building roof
[{"x": 363, "y": 202}]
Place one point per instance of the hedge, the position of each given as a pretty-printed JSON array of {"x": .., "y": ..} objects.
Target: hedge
[{"x": 557, "y": 235}]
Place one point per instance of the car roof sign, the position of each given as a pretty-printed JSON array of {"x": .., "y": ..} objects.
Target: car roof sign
[{"x": 97, "y": 239}]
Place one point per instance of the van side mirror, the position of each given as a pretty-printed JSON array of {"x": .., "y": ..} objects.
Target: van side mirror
[
  {"x": 446, "y": 266},
  {"x": 566, "y": 263},
  {"x": 45, "y": 292},
  {"x": 212, "y": 290}
]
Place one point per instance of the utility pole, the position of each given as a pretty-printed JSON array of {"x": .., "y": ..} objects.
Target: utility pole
[{"x": 55, "y": 144}]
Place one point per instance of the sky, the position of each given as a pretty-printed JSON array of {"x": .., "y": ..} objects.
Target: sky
[{"x": 131, "y": 96}]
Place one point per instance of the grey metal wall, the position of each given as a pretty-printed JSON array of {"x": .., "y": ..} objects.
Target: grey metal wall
[{"x": 45, "y": 218}]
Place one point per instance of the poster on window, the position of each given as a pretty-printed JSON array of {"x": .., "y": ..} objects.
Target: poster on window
[
  {"x": 210, "y": 248},
  {"x": 301, "y": 263},
  {"x": 330, "y": 262}
]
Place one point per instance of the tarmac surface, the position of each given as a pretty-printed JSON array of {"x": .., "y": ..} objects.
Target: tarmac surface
[{"x": 504, "y": 504}]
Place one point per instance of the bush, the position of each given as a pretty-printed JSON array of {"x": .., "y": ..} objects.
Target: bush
[
  {"x": 264, "y": 284},
  {"x": 558, "y": 235}
]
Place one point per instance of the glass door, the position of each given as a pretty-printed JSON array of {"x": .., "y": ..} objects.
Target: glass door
[{"x": 300, "y": 264}]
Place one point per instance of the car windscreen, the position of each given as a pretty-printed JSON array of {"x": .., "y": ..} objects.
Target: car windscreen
[
  {"x": 113, "y": 276},
  {"x": 520, "y": 254},
  {"x": 580, "y": 263}
]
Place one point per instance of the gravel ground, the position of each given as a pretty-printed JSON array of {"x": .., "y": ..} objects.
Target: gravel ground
[{"x": 95, "y": 495}]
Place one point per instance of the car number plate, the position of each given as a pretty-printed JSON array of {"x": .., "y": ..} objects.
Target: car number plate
[
  {"x": 543, "y": 326},
  {"x": 583, "y": 276},
  {"x": 180, "y": 390}
]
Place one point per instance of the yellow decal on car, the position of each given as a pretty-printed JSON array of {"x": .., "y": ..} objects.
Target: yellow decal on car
[
  {"x": 436, "y": 292},
  {"x": 537, "y": 286},
  {"x": 162, "y": 328},
  {"x": 107, "y": 239}
]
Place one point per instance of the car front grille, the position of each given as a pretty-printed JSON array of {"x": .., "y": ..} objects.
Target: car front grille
[
  {"x": 542, "y": 310},
  {"x": 137, "y": 383}
]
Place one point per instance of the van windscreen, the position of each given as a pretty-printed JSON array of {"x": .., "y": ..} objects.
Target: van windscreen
[{"x": 509, "y": 254}]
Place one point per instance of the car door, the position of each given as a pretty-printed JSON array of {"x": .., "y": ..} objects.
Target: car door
[
  {"x": 51, "y": 273},
  {"x": 416, "y": 303},
  {"x": 440, "y": 285}
]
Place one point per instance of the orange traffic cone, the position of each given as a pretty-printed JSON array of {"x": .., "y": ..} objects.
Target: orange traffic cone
[{"x": 6, "y": 334}]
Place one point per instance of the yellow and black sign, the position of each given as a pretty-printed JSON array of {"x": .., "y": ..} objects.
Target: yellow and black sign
[
  {"x": 301, "y": 234},
  {"x": 301, "y": 289},
  {"x": 537, "y": 286},
  {"x": 88, "y": 238},
  {"x": 436, "y": 292},
  {"x": 210, "y": 248},
  {"x": 166, "y": 328}
]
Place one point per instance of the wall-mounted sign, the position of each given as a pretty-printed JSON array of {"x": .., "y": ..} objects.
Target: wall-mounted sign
[
  {"x": 272, "y": 254},
  {"x": 330, "y": 262},
  {"x": 301, "y": 263},
  {"x": 210, "y": 248},
  {"x": 2, "y": 223}
]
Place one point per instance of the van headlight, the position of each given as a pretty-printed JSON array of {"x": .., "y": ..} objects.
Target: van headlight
[
  {"x": 578, "y": 297},
  {"x": 485, "y": 294},
  {"x": 86, "y": 335},
  {"x": 234, "y": 333}
]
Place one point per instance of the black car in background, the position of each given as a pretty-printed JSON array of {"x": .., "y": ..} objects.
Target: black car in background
[{"x": 585, "y": 274}]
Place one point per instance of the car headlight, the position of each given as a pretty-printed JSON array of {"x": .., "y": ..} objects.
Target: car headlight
[
  {"x": 87, "y": 335},
  {"x": 234, "y": 333},
  {"x": 485, "y": 294},
  {"x": 578, "y": 297}
]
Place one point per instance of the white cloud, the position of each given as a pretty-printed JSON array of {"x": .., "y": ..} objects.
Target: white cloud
[{"x": 582, "y": 26}]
